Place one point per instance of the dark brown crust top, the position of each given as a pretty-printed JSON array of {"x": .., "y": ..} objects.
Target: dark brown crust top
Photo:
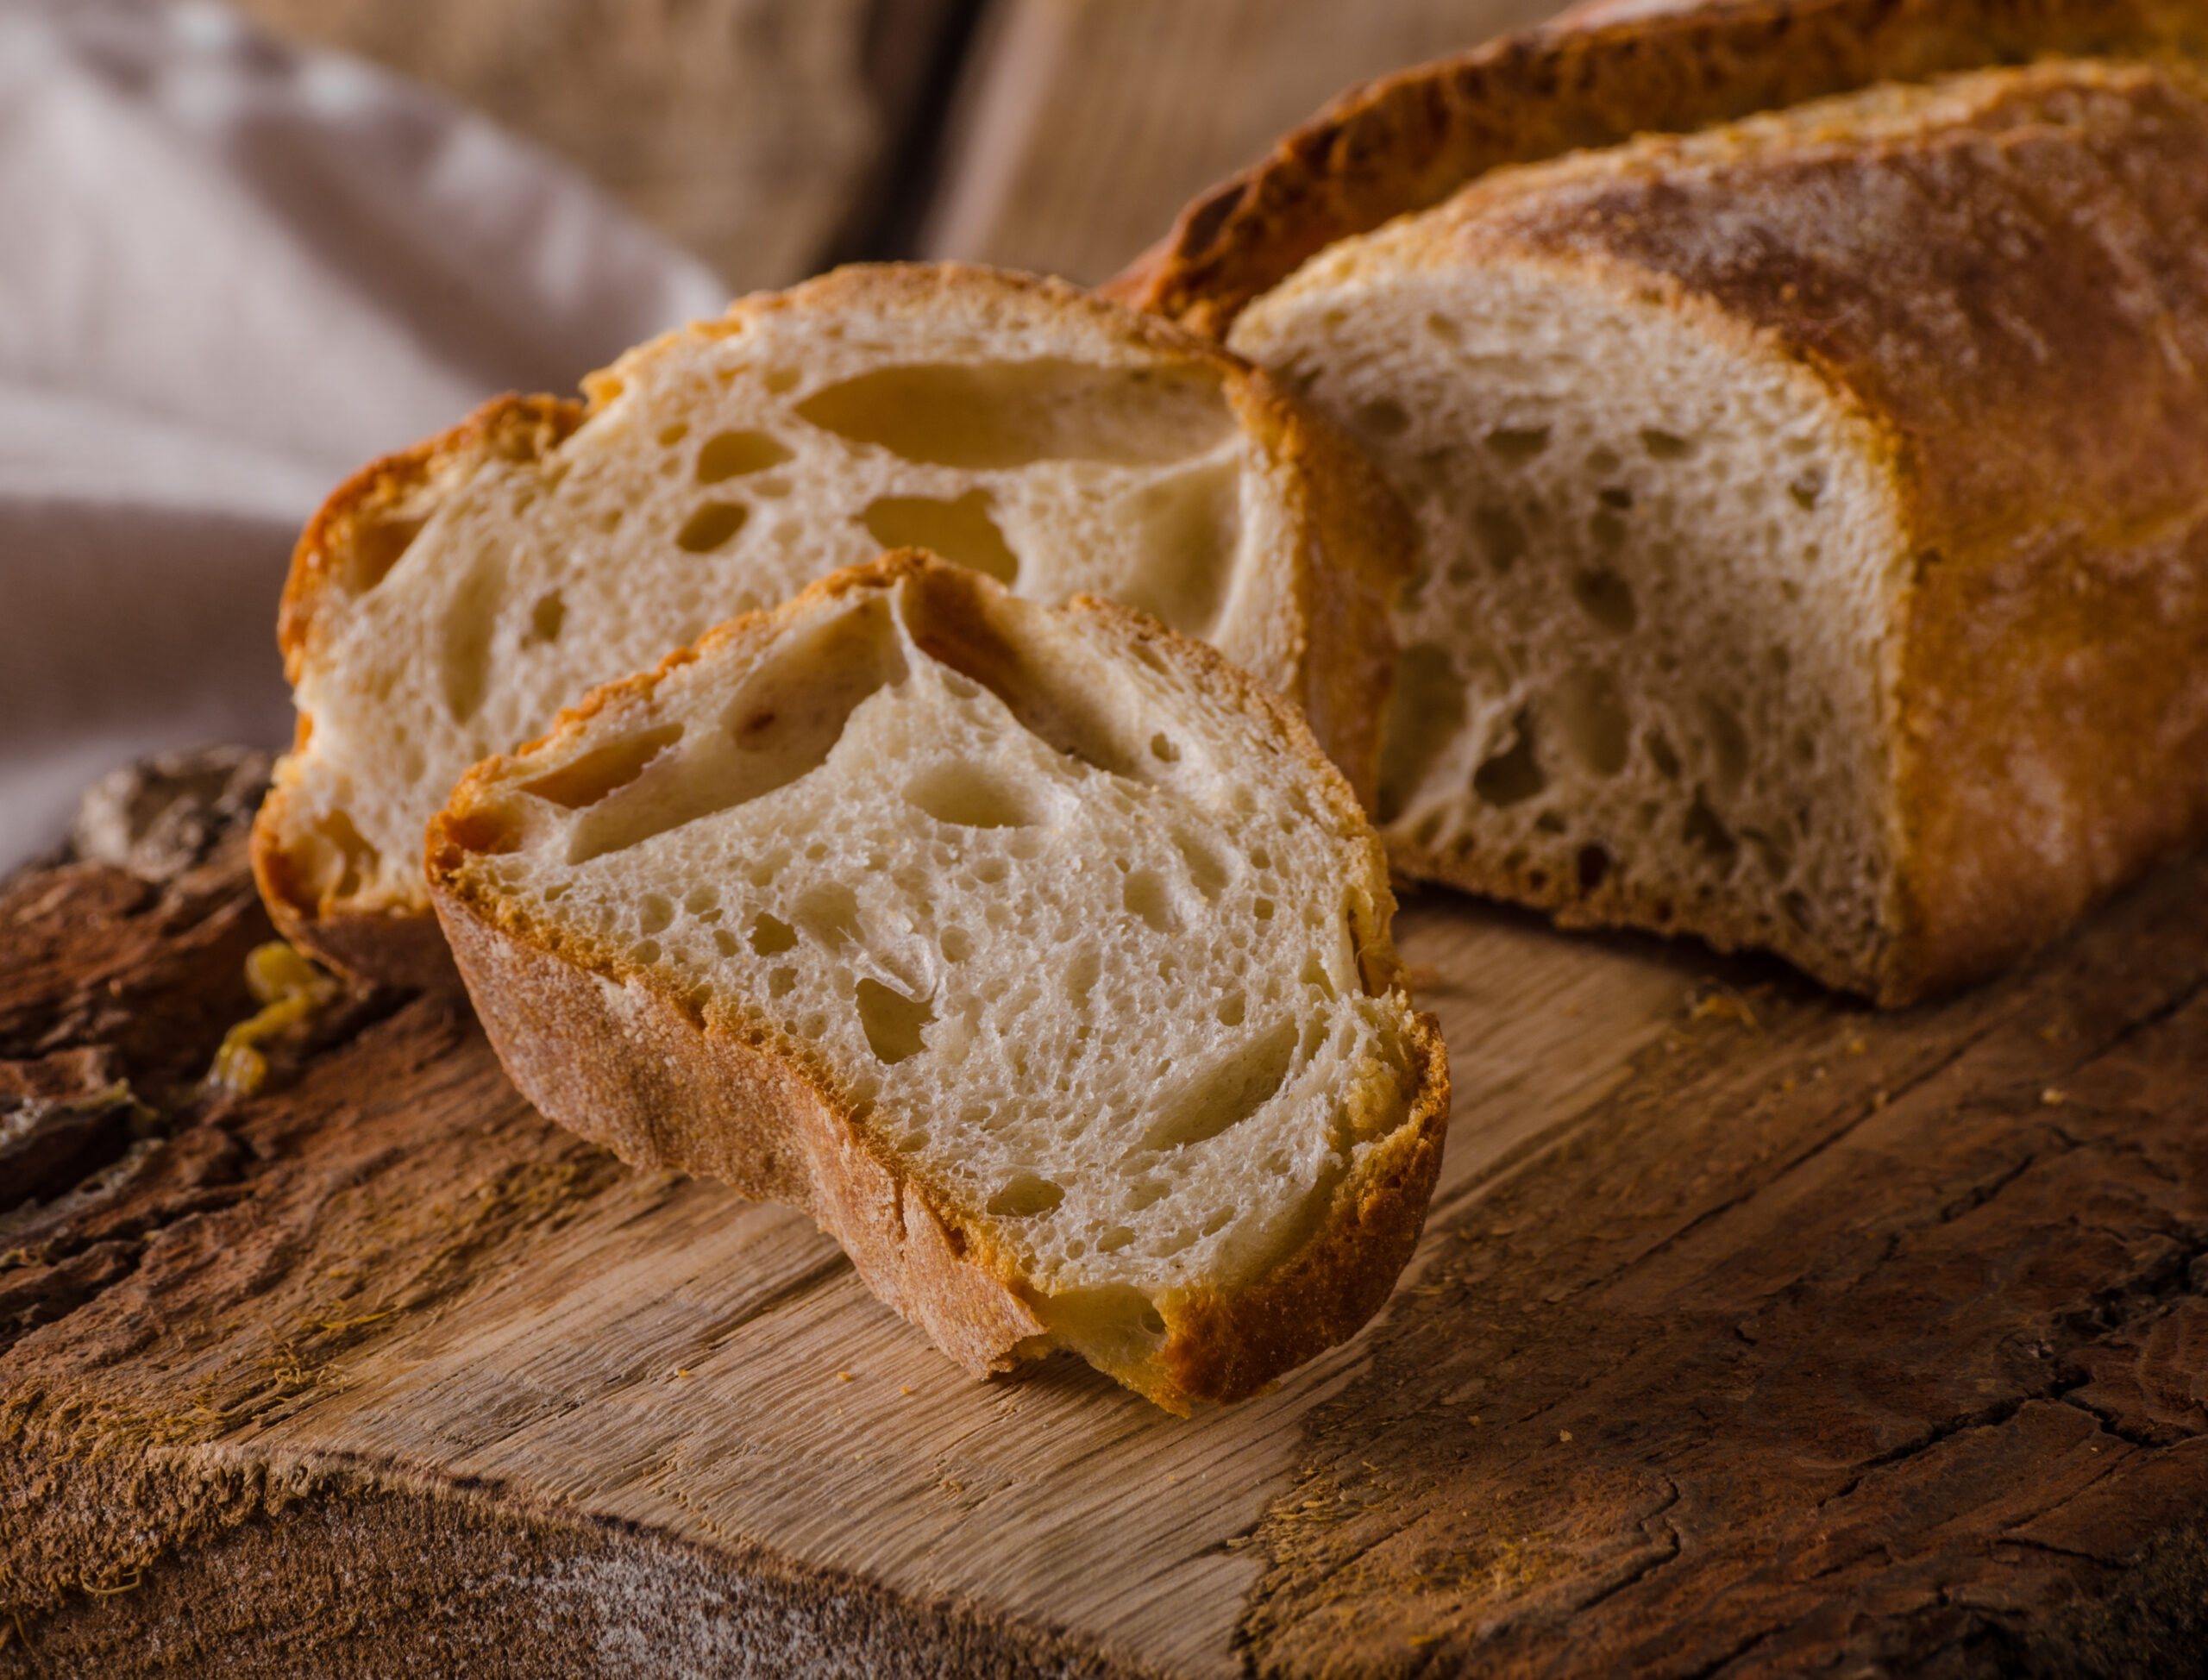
[
  {"x": 2016, "y": 299},
  {"x": 695, "y": 1083},
  {"x": 1329, "y": 645},
  {"x": 1406, "y": 142}
]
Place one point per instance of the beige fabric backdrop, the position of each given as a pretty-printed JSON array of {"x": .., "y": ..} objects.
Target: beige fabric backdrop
[{"x": 232, "y": 274}]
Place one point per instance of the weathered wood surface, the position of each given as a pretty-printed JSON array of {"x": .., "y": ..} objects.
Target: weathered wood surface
[
  {"x": 1752, "y": 1333},
  {"x": 1085, "y": 125}
]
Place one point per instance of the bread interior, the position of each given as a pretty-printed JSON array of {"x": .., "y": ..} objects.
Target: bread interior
[
  {"x": 1644, "y": 659},
  {"x": 721, "y": 470},
  {"x": 1077, "y": 941}
]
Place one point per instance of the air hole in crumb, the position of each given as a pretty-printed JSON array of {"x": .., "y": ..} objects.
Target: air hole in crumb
[
  {"x": 781, "y": 982},
  {"x": 1606, "y": 597},
  {"x": 1664, "y": 446},
  {"x": 1615, "y": 495},
  {"x": 1513, "y": 774},
  {"x": 894, "y": 1023},
  {"x": 1153, "y": 1321},
  {"x": 957, "y": 944},
  {"x": 1025, "y": 1197},
  {"x": 1222, "y": 1096},
  {"x": 1206, "y": 868},
  {"x": 958, "y": 529},
  {"x": 736, "y": 455},
  {"x": 1595, "y": 723},
  {"x": 969, "y": 795},
  {"x": 1114, "y": 1239},
  {"x": 1162, "y": 749},
  {"x": 587, "y": 780},
  {"x": 1704, "y": 831},
  {"x": 1444, "y": 328},
  {"x": 1080, "y": 976},
  {"x": 671, "y": 436},
  {"x": 1315, "y": 976},
  {"x": 1728, "y": 742},
  {"x": 1502, "y": 537},
  {"x": 1382, "y": 417},
  {"x": 995, "y": 414},
  {"x": 710, "y": 526},
  {"x": 723, "y": 942},
  {"x": 1607, "y": 529},
  {"x": 547, "y": 616},
  {"x": 1146, "y": 896},
  {"x": 1425, "y": 714},
  {"x": 1594, "y": 867},
  {"x": 1797, "y": 907},
  {"x": 1231, "y": 1010},
  {"x": 1808, "y": 486},
  {"x": 654, "y": 912},
  {"x": 1551, "y": 822},
  {"x": 1601, "y": 460},
  {"x": 1661, "y": 755},
  {"x": 1262, "y": 910},
  {"x": 648, "y": 952},
  {"x": 1517, "y": 443},
  {"x": 770, "y": 935}
]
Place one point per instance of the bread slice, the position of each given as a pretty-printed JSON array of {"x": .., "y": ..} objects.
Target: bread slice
[
  {"x": 448, "y": 601},
  {"x": 1815, "y": 516},
  {"x": 1037, "y": 953},
  {"x": 1596, "y": 76}
]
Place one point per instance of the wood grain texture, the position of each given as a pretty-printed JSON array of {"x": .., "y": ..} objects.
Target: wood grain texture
[
  {"x": 1085, "y": 125},
  {"x": 760, "y": 133},
  {"x": 1752, "y": 1333}
]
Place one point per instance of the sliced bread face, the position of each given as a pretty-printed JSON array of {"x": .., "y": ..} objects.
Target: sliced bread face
[
  {"x": 1800, "y": 569},
  {"x": 447, "y": 603},
  {"x": 1642, "y": 671},
  {"x": 1037, "y": 953}
]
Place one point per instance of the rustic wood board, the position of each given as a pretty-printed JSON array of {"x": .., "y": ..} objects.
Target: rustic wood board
[{"x": 1752, "y": 1333}]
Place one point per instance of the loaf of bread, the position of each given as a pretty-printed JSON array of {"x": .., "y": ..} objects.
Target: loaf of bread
[
  {"x": 1814, "y": 512},
  {"x": 1037, "y": 952},
  {"x": 1598, "y": 76},
  {"x": 448, "y": 601}
]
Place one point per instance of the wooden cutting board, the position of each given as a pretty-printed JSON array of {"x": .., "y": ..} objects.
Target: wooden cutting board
[{"x": 1752, "y": 1332}]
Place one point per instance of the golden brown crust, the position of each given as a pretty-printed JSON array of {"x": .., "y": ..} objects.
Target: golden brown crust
[
  {"x": 299, "y": 864},
  {"x": 1227, "y": 1345},
  {"x": 2014, "y": 304},
  {"x": 613, "y": 1050},
  {"x": 1407, "y": 141},
  {"x": 359, "y": 534}
]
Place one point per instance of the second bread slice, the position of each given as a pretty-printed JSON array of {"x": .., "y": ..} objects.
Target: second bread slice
[{"x": 1037, "y": 953}]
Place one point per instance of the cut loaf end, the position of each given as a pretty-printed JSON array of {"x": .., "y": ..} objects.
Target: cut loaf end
[
  {"x": 1037, "y": 953},
  {"x": 1642, "y": 659},
  {"x": 447, "y": 602},
  {"x": 1803, "y": 567}
]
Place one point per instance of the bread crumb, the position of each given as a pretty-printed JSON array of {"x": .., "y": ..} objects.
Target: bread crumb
[
  {"x": 1878, "y": 1099},
  {"x": 1722, "y": 1006},
  {"x": 843, "y": 1376},
  {"x": 906, "y": 1389},
  {"x": 1856, "y": 1047},
  {"x": 1476, "y": 1417},
  {"x": 1563, "y": 1434},
  {"x": 2052, "y": 1097}
]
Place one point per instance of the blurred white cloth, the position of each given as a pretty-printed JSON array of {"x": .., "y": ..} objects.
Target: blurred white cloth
[{"x": 230, "y": 273}]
